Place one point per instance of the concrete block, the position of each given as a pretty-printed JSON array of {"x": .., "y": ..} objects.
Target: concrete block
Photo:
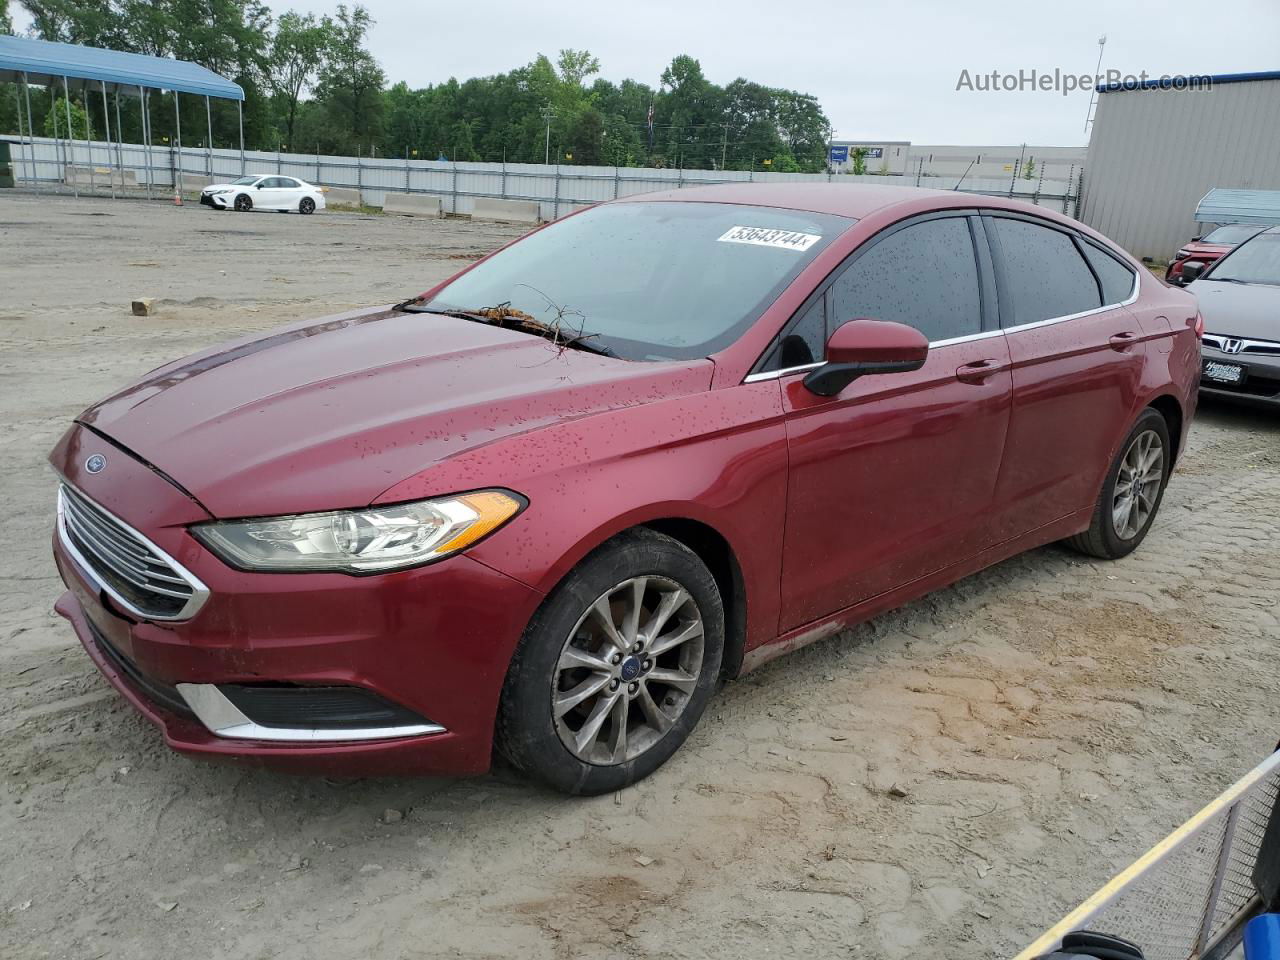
[
  {"x": 413, "y": 205},
  {"x": 341, "y": 197},
  {"x": 144, "y": 306},
  {"x": 511, "y": 211},
  {"x": 101, "y": 176}
]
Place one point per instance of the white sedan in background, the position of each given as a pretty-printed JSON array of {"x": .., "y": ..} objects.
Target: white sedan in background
[{"x": 264, "y": 192}]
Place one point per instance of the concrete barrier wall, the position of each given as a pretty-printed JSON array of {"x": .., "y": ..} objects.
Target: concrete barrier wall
[
  {"x": 514, "y": 211},
  {"x": 341, "y": 197},
  {"x": 100, "y": 176},
  {"x": 412, "y": 205}
]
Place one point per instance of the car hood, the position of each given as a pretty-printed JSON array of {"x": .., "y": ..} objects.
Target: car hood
[
  {"x": 1250, "y": 310},
  {"x": 1205, "y": 249},
  {"x": 329, "y": 414}
]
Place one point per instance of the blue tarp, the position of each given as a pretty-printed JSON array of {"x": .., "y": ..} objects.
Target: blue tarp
[
  {"x": 45, "y": 63},
  {"x": 1221, "y": 205}
]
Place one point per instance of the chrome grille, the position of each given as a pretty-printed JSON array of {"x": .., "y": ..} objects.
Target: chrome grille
[
  {"x": 134, "y": 571},
  {"x": 1264, "y": 347}
]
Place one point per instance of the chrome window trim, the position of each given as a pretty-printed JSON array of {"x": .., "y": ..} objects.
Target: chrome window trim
[
  {"x": 224, "y": 719},
  {"x": 951, "y": 341},
  {"x": 199, "y": 592},
  {"x": 785, "y": 371}
]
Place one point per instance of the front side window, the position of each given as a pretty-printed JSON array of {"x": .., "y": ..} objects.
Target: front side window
[
  {"x": 1045, "y": 275},
  {"x": 924, "y": 275},
  {"x": 650, "y": 280}
]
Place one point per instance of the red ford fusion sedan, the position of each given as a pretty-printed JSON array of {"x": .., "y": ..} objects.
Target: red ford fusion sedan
[{"x": 548, "y": 506}]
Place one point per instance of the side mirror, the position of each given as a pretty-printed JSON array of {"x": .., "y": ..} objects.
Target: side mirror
[
  {"x": 864, "y": 346},
  {"x": 1191, "y": 270},
  {"x": 1195, "y": 239}
]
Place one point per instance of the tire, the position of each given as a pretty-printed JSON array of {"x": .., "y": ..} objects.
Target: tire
[
  {"x": 307, "y": 206},
  {"x": 1107, "y": 537},
  {"x": 243, "y": 203},
  {"x": 566, "y": 653}
]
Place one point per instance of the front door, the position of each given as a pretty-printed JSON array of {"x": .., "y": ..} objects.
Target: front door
[{"x": 894, "y": 478}]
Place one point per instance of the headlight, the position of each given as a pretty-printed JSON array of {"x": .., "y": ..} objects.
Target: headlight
[
  {"x": 1183, "y": 254},
  {"x": 361, "y": 541}
]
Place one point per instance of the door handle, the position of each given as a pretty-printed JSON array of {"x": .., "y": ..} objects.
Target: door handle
[
  {"x": 979, "y": 370},
  {"x": 1123, "y": 341}
]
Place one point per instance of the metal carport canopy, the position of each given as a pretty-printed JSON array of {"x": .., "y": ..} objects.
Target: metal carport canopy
[
  {"x": 1221, "y": 205},
  {"x": 42, "y": 61}
]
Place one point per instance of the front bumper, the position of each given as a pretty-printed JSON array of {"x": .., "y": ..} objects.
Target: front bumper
[
  {"x": 219, "y": 201},
  {"x": 1261, "y": 383},
  {"x": 433, "y": 643}
]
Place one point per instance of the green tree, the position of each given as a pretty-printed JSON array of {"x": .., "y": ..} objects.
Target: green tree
[
  {"x": 297, "y": 52},
  {"x": 55, "y": 120},
  {"x": 858, "y": 155},
  {"x": 6, "y": 21},
  {"x": 1029, "y": 169},
  {"x": 351, "y": 81}
]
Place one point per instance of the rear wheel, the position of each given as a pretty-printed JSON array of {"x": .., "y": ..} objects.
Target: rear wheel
[
  {"x": 243, "y": 203},
  {"x": 1132, "y": 492},
  {"x": 307, "y": 206},
  {"x": 615, "y": 669}
]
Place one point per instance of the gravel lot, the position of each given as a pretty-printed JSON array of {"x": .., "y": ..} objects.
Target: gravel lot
[{"x": 944, "y": 782}]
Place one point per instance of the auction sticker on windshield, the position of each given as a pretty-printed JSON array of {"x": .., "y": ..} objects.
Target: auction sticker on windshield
[{"x": 764, "y": 237}]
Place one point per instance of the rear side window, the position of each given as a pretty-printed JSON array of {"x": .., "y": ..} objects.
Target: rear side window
[
  {"x": 1116, "y": 278},
  {"x": 286, "y": 182},
  {"x": 1045, "y": 275},
  {"x": 924, "y": 275}
]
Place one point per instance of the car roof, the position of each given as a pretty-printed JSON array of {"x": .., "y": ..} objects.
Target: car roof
[{"x": 854, "y": 200}]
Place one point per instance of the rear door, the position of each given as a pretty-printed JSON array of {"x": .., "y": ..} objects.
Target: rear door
[
  {"x": 1077, "y": 355},
  {"x": 894, "y": 478}
]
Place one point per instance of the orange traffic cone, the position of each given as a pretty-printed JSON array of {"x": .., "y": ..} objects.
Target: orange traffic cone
[{"x": 177, "y": 199}]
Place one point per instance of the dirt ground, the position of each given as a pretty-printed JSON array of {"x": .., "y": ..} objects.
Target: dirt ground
[{"x": 944, "y": 782}]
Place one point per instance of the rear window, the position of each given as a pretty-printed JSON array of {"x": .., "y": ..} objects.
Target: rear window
[{"x": 1044, "y": 272}]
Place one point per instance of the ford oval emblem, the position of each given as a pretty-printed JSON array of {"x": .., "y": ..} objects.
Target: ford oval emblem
[{"x": 96, "y": 464}]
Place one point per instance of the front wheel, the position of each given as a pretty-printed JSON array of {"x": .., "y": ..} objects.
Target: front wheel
[
  {"x": 243, "y": 203},
  {"x": 307, "y": 206},
  {"x": 615, "y": 669},
  {"x": 1132, "y": 492}
]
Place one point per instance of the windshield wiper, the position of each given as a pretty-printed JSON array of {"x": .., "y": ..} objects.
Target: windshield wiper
[{"x": 508, "y": 317}]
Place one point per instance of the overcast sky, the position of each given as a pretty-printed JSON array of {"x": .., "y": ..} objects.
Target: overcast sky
[{"x": 886, "y": 69}]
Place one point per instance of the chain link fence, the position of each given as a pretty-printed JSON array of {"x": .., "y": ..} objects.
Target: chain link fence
[{"x": 99, "y": 168}]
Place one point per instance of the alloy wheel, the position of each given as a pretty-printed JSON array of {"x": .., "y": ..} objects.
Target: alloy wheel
[
  {"x": 627, "y": 670},
  {"x": 1137, "y": 484}
]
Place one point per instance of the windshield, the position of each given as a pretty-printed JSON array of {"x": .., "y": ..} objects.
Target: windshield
[
  {"x": 1257, "y": 261},
  {"x": 649, "y": 281},
  {"x": 1232, "y": 233},
  {"x": 243, "y": 181}
]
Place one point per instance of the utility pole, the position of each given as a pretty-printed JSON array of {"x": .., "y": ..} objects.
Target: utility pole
[
  {"x": 724, "y": 144},
  {"x": 548, "y": 114}
]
